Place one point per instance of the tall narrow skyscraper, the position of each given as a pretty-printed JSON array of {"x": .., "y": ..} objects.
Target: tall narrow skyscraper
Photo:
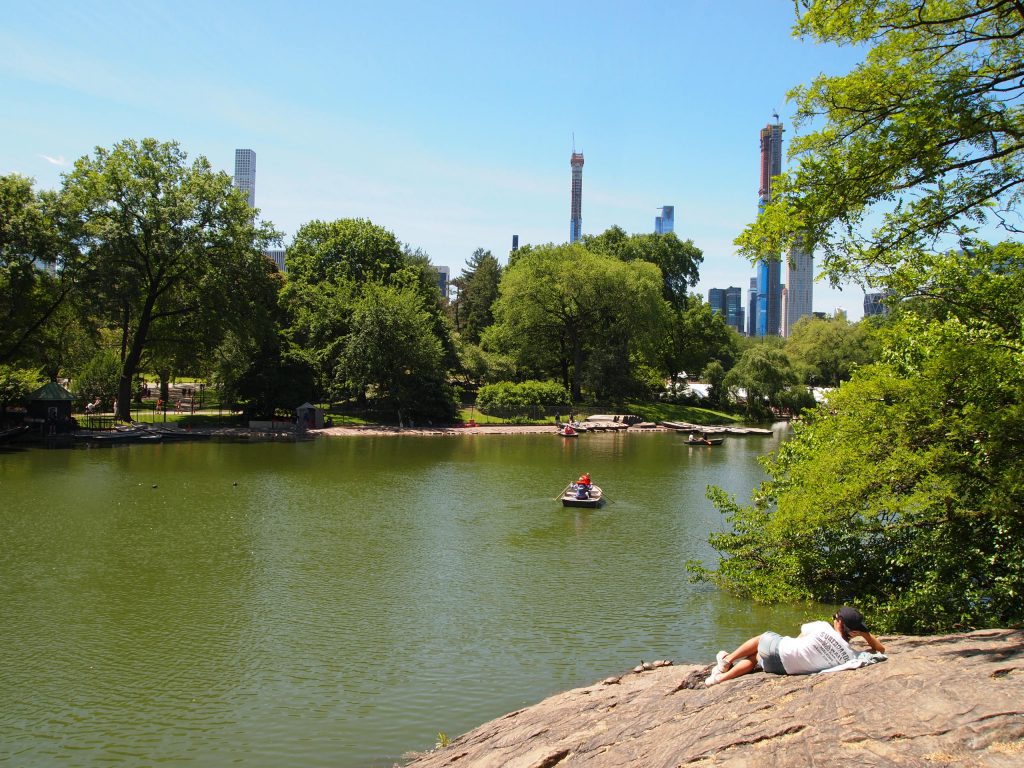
[
  {"x": 769, "y": 271},
  {"x": 752, "y": 308},
  {"x": 576, "y": 203},
  {"x": 245, "y": 174},
  {"x": 666, "y": 222}
]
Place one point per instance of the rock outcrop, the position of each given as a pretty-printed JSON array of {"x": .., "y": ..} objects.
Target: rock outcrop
[{"x": 955, "y": 700}]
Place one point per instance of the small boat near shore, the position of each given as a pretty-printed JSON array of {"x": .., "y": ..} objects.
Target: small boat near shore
[
  {"x": 593, "y": 499},
  {"x": 704, "y": 441},
  {"x": 116, "y": 436},
  {"x": 167, "y": 433},
  {"x": 568, "y": 431}
]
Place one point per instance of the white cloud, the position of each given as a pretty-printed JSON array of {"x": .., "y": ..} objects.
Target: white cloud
[{"x": 58, "y": 160}]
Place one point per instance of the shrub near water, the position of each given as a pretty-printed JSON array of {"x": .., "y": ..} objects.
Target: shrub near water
[{"x": 521, "y": 400}]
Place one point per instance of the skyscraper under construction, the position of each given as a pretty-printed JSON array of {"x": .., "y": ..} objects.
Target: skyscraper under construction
[
  {"x": 576, "y": 204},
  {"x": 769, "y": 271}
]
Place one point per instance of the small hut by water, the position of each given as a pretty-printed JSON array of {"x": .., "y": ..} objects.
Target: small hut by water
[
  {"x": 50, "y": 408},
  {"x": 308, "y": 416}
]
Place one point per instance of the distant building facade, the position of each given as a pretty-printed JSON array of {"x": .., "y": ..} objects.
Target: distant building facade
[
  {"x": 874, "y": 305},
  {"x": 277, "y": 256},
  {"x": 666, "y": 222},
  {"x": 245, "y": 174},
  {"x": 444, "y": 275},
  {"x": 576, "y": 198},
  {"x": 799, "y": 286},
  {"x": 752, "y": 308},
  {"x": 729, "y": 303}
]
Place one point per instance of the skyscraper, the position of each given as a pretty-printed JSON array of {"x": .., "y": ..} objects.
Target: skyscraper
[
  {"x": 799, "y": 285},
  {"x": 666, "y": 222},
  {"x": 752, "y": 308},
  {"x": 576, "y": 204},
  {"x": 769, "y": 271},
  {"x": 874, "y": 304},
  {"x": 245, "y": 174}
]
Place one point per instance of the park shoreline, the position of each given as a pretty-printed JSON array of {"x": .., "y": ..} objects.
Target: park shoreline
[{"x": 375, "y": 430}]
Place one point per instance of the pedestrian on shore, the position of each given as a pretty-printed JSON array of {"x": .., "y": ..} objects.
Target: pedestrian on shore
[{"x": 818, "y": 647}]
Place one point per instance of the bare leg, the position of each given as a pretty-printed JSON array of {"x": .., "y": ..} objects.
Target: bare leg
[
  {"x": 747, "y": 650},
  {"x": 739, "y": 662},
  {"x": 738, "y": 668}
]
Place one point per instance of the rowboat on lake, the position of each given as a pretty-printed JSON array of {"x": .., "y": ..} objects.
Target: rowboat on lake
[
  {"x": 694, "y": 440},
  {"x": 591, "y": 497}
]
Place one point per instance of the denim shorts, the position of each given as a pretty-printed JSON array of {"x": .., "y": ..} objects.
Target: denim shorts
[{"x": 768, "y": 653}]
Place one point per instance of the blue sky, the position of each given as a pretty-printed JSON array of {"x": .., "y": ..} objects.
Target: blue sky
[{"x": 450, "y": 124}]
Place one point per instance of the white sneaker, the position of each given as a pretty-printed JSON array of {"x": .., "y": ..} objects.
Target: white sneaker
[
  {"x": 714, "y": 679},
  {"x": 722, "y": 665}
]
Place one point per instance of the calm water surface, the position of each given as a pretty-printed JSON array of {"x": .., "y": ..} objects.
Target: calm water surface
[{"x": 339, "y": 602}]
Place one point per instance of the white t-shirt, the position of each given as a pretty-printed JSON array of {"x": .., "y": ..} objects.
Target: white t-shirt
[{"x": 818, "y": 647}]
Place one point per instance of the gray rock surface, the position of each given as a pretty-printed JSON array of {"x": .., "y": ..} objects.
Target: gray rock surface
[{"x": 954, "y": 700}]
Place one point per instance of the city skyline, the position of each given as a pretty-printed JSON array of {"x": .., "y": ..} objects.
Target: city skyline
[{"x": 448, "y": 126}]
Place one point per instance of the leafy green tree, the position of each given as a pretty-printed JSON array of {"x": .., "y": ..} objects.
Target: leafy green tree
[
  {"x": 343, "y": 251},
  {"x": 561, "y": 306},
  {"x": 478, "y": 290},
  {"x": 255, "y": 374},
  {"x": 905, "y": 491},
  {"x": 923, "y": 140},
  {"x": 829, "y": 350},
  {"x": 330, "y": 265},
  {"x": 98, "y": 379},
  {"x": 699, "y": 336},
  {"x": 718, "y": 393},
  {"x": 678, "y": 260},
  {"x": 16, "y": 384},
  {"x": 393, "y": 353},
  {"x": 31, "y": 288},
  {"x": 765, "y": 373},
  {"x": 163, "y": 248}
]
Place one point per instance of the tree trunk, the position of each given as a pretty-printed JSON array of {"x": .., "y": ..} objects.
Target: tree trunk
[{"x": 132, "y": 358}]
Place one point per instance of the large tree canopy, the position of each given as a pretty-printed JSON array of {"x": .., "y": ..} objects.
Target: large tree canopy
[
  {"x": 826, "y": 352},
  {"x": 906, "y": 492},
  {"x": 567, "y": 311},
  {"x": 393, "y": 351},
  {"x": 31, "y": 289},
  {"x": 922, "y": 141},
  {"x": 678, "y": 260},
  {"x": 167, "y": 251},
  {"x": 342, "y": 275}
]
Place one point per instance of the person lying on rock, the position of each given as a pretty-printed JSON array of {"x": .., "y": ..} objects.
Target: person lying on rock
[{"x": 819, "y": 646}]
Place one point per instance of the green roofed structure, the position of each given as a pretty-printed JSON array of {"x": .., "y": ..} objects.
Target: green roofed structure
[{"x": 50, "y": 407}]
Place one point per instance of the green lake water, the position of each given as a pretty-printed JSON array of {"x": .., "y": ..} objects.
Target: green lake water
[{"x": 338, "y": 602}]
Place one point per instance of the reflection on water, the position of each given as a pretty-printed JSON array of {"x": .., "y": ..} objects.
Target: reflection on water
[{"x": 340, "y": 601}]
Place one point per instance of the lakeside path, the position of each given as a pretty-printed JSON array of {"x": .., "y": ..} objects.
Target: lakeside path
[{"x": 453, "y": 431}]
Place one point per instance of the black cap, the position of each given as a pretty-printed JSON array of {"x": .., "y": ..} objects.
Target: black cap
[{"x": 851, "y": 618}]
